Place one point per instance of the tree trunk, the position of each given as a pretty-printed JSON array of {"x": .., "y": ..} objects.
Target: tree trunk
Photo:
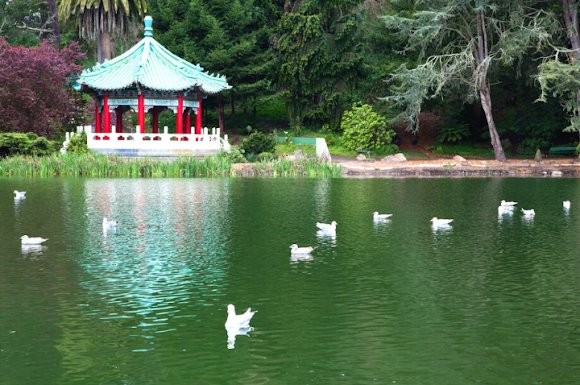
[
  {"x": 485, "y": 97},
  {"x": 54, "y": 22},
  {"x": 106, "y": 45},
  {"x": 221, "y": 114},
  {"x": 232, "y": 104},
  {"x": 100, "y": 47}
]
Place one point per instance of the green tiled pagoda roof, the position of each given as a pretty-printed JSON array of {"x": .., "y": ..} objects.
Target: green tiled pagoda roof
[{"x": 150, "y": 65}]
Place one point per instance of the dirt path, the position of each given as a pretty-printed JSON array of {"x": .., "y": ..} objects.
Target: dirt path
[{"x": 460, "y": 167}]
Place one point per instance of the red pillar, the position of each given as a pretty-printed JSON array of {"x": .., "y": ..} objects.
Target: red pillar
[
  {"x": 97, "y": 116},
  {"x": 198, "y": 117},
  {"x": 141, "y": 112},
  {"x": 155, "y": 120},
  {"x": 179, "y": 115},
  {"x": 106, "y": 114},
  {"x": 119, "y": 116},
  {"x": 188, "y": 121}
]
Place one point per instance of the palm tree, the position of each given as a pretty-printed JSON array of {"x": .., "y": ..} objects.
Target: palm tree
[{"x": 99, "y": 19}]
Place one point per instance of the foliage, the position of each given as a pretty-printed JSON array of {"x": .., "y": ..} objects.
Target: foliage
[
  {"x": 470, "y": 39},
  {"x": 24, "y": 22},
  {"x": 258, "y": 142},
  {"x": 562, "y": 80},
  {"x": 235, "y": 155},
  {"x": 231, "y": 37},
  {"x": 453, "y": 133},
  {"x": 364, "y": 128},
  {"x": 34, "y": 95},
  {"x": 319, "y": 60},
  {"x": 24, "y": 144},
  {"x": 265, "y": 157},
  {"x": 78, "y": 144},
  {"x": 99, "y": 19},
  {"x": 310, "y": 167}
]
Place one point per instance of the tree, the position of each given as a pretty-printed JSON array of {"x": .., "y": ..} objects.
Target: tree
[
  {"x": 231, "y": 37},
  {"x": 100, "y": 19},
  {"x": 27, "y": 22},
  {"x": 560, "y": 74},
  {"x": 464, "y": 41},
  {"x": 34, "y": 93},
  {"x": 319, "y": 59}
]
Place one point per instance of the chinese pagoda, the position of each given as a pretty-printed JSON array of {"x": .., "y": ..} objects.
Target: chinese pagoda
[{"x": 148, "y": 79}]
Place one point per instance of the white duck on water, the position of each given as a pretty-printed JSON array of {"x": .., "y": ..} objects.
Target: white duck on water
[
  {"x": 26, "y": 240},
  {"x": 566, "y": 205},
  {"x": 329, "y": 228},
  {"x": 528, "y": 213},
  {"x": 379, "y": 217},
  {"x": 19, "y": 194},
  {"x": 238, "y": 320},
  {"x": 300, "y": 250},
  {"x": 508, "y": 203},
  {"x": 440, "y": 222}
]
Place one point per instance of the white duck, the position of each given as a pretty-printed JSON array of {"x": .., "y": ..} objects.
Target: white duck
[
  {"x": 19, "y": 194},
  {"x": 109, "y": 224},
  {"x": 26, "y": 240},
  {"x": 566, "y": 205},
  {"x": 441, "y": 222},
  {"x": 528, "y": 213},
  {"x": 329, "y": 228},
  {"x": 379, "y": 217},
  {"x": 508, "y": 203},
  {"x": 238, "y": 320},
  {"x": 300, "y": 250}
]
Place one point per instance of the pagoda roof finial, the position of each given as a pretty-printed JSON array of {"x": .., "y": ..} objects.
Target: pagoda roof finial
[{"x": 148, "y": 32}]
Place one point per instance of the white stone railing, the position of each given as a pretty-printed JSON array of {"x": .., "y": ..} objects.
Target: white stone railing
[{"x": 208, "y": 141}]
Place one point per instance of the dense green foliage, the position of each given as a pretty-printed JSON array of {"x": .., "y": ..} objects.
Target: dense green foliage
[
  {"x": 365, "y": 129},
  {"x": 25, "y": 144},
  {"x": 78, "y": 144},
  {"x": 258, "y": 143}
]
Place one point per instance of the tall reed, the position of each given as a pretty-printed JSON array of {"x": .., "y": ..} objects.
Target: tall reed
[{"x": 98, "y": 165}]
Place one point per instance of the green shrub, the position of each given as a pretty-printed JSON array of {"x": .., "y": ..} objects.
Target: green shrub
[
  {"x": 258, "y": 142},
  {"x": 364, "y": 128},
  {"x": 78, "y": 144},
  {"x": 235, "y": 155},
  {"x": 453, "y": 133},
  {"x": 25, "y": 144},
  {"x": 265, "y": 157}
]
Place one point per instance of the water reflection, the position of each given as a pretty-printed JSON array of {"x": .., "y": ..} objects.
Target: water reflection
[
  {"x": 295, "y": 258},
  {"x": 32, "y": 250},
  {"x": 505, "y": 212},
  {"x": 235, "y": 331},
  {"x": 326, "y": 238}
]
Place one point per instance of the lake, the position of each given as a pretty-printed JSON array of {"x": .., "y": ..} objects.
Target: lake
[{"x": 493, "y": 299}]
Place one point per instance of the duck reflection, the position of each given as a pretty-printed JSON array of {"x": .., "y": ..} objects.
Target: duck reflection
[
  {"x": 32, "y": 250},
  {"x": 234, "y": 331},
  {"x": 505, "y": 212}
]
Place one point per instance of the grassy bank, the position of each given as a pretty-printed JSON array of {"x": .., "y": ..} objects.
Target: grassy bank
[{"x": 96, "y": 165}]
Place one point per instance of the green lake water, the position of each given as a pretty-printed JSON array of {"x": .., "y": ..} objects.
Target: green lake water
[{"x": 493, "y": 300}]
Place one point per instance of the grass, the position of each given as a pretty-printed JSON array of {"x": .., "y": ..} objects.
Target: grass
[
  {"x": 290, "y": 148},
  {"x": 97, "y": 165}
]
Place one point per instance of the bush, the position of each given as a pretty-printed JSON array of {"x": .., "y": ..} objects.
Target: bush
[
  {"x": 25, "y": 144},
  {"x": 257, "y": 143},
  {"x": 78, "y": 144},
  {"x": 265, "y": 157},
  {"x": 453, "y": 134},
  {"x": 235, "y": 155},
  {"x": 364, "y": 128}
]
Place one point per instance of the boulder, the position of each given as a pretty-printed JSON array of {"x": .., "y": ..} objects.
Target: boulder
[
  {"x": 397, "y": 158},
  {"x": 361, "y": 157},
  {"x": 458, "y": 159},
  {"x": 538, "y": 156}
]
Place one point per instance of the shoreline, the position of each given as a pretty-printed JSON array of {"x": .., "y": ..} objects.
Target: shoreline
[{"x": 561, "y": 167}]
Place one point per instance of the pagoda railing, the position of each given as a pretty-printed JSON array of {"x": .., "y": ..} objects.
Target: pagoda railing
[{"x": 208, "y": 141}]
